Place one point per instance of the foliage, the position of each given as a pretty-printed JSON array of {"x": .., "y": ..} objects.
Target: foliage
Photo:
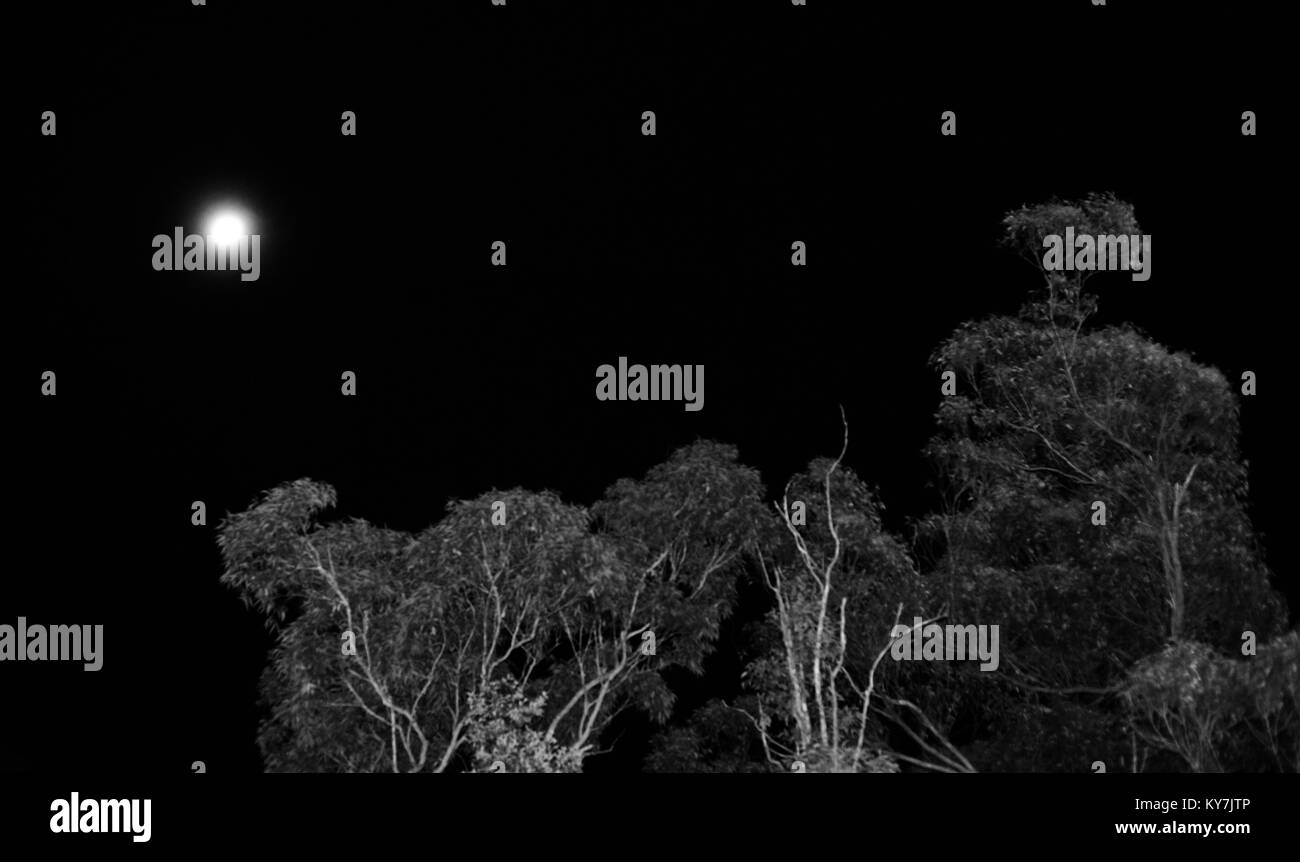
[
  {"x": 818, "y": 693},
  {"x": 478, "y": 641},
  {"x": 501, "y": 735},
  {"x": 1050, "y": 418},
  {"x": 553, "y": 599},
  {"x": 1191, "y": 701}
]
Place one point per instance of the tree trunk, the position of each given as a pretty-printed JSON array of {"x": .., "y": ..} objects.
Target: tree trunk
[{"x": 1170, "y": 558}]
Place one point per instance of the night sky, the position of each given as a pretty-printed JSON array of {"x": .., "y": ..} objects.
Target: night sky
[{"x": 774, "y": 124}]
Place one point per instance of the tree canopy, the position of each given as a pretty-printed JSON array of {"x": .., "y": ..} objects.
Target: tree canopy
[{"x": 1094, "y": 508}]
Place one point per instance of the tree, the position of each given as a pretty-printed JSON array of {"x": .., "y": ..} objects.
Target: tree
[
  {"x": 1182, "y": 701},
  {"x": 840, "y": 585},
  {"x": 434, "y": 620},
  {"x": 1193, "y": 702},
  {"x": 1053, "y": 417},
  {"x": 678, "y": 537},
  {"x": 557, "y": 615}
]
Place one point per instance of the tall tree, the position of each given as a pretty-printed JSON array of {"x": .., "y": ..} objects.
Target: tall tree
[{"x": 1055, "y": 418}]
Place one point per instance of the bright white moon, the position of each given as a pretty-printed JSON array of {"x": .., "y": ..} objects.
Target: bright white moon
[{"x": 227, "y": 229}]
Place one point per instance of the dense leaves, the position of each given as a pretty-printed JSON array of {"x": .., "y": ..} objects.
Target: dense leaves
[
  {"x": 1051, "y": 419},
  {"x": 397, "y": 652},
  {"x": 512, "y": 633}
]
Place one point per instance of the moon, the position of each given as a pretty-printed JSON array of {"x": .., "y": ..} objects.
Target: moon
[{"x": 227, "y": 228}]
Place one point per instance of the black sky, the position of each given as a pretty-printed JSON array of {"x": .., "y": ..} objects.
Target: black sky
[{"x": 473, "y": 127}]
